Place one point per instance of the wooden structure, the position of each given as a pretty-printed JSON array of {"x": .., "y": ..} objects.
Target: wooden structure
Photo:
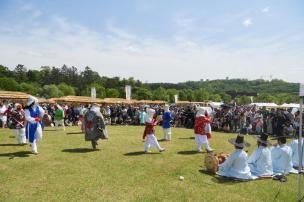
[{"x": 76, "y": 100}]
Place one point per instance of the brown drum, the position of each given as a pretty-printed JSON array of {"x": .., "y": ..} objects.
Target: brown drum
[{"x": 212, "y": 161}]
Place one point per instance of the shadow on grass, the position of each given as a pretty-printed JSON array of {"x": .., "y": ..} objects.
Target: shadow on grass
[
  {"x": 9, "y": 145},
  {"x": 222, "y": 180},
  {"x": 163, "y": 140},
  {"x": 12, "y": 137},
  {"x": 16, "y": 154},
  {"x": 191, "y": 152},
  {"x": 80, "y": 150},
  {"x": 186, "y": 138},
  {"x": 138, "y": 153},
  {"x": 49, "y": 130},
  {"x": 74, "y": 133}
]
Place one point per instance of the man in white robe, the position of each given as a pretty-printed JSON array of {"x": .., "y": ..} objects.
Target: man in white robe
[
  {"x": 260, "y": 162},
  {"x": 282, "y": 157},
  {"x": 236, "y": 165},
  {"x": 295, "y": 152}
]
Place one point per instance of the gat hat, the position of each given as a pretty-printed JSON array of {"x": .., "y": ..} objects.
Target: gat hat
[
  {"x": 239, "y": 141},
  {"x": 263, "y": 139},
  {"x": 31, "y": 100}
]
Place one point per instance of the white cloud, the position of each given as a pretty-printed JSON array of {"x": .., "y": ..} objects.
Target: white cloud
[
  {"x": 119, "y": 53},
  {"x": 247, "y": 22},
  {"x": 30, "y": 9},
  {"x": 265, "y": 10}
]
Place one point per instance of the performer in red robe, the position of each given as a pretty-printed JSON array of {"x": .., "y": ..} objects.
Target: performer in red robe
[
  {"x": 150, "y": 139},
  {"x": 202, "y": 130}
]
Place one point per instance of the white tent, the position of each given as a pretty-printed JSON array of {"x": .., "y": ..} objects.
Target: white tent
[
  {"x": 291, "y": 105},
  {"x": 263, "y": 104},
  {"x": 215, "y": 104}
]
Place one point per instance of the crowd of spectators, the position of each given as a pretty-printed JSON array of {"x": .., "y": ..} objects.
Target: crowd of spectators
[{"x": 227, "y": 118}]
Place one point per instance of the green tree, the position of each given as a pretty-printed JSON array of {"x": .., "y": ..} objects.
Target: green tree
[
  {"x": 243, "y": 100},
  {"x": 28, "y": 88},
  {"x": 160, "y": 94},
  {"x": 215, "y": 97},
  {"x": 201, "y": 95},
  {"x": 100, "y": 90},
  {"x": 9, "y": 84},
  {"x": 50, "y": 91},
  {"x": 112, "y": 93},
  {"x": 144, "y": 94},
  {"x": 66, "y": 89},
  {"x": 171, "y": 92},
  {"x": 20, "y": 73},
  {"x": 225, "y": 98}
]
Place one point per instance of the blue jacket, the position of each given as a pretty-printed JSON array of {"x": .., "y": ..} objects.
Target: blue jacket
[{"x": 166, "y": 119}]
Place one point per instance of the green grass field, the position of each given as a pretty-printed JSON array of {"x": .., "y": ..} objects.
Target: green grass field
[{"x": 66, "y": 169}]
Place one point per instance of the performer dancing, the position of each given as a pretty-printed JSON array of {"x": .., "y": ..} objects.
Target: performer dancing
[
  {"x": 17, "y": 119},
  {"x": 148, "y": 135},
  {"x": 166, "y": 118},
  {"x": 33, "y": 115},
  {"x": 202, "y": 130},
  {"x": 94, "y": 125}
]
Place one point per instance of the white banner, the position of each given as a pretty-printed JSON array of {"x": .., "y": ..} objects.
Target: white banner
[
  {"x": 128, "y": 92},
  {"x": 93, "y": 93},
  {"x": 175, "y": 98},
  {"x": 301, "y": 89}
]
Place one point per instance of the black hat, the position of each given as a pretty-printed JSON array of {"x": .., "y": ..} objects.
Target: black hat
[
  {"x": 239, "y": 141},
  {"x": 225, "y": 106},
  {"x": 263, "y": 139}
]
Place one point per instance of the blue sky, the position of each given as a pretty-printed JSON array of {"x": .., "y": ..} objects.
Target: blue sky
[{"x": 160, "y": 40}]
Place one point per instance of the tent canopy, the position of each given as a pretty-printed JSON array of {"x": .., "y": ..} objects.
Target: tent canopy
[{"x": 263, "y": 104}]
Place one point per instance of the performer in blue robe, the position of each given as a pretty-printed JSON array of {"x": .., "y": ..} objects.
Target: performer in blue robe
[
  {"x": 166, "y": 118},
  {"x": 260, "y": 162},
  {"x": 33, "y": 116}
]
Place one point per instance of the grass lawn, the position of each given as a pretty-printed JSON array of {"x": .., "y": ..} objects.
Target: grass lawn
[{"x": 66, "y": 169}]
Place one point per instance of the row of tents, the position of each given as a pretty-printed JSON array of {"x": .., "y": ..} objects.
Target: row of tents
[{"x": 22, "y": 97}]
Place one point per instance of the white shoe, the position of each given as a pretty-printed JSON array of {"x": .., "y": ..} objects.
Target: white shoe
[{"x": 162, "y": 149}]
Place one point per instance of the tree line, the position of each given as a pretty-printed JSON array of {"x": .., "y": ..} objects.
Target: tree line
[{"x": 51, "y": 82}]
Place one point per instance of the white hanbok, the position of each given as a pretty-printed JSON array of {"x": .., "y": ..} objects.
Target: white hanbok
[
  {"x": 295, "y": 152},
  {"x": 282, "y": 159},
  {"x": 236, "y": 166},
  {"x": 260, "y": 162}
]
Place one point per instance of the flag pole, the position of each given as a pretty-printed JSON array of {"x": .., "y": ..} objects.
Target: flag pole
[{"x": 300, "y": 149}]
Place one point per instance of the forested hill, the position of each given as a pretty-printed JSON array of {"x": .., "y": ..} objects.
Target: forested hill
[
  {"x": 55, "y": 82},
  {"x": 238, "y": 85}
]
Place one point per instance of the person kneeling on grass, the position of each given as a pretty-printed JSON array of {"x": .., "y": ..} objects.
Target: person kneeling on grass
[
  {"x": 150, "y": 139},
  {"x": 260, "y": 162},
  {"x": 236, "y": 165}
]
